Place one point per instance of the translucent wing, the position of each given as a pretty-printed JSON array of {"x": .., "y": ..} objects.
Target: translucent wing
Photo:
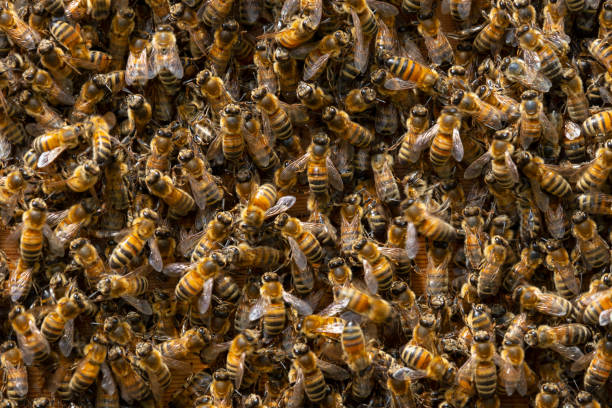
[
  {"x": 463, "y": 8},
  {"x": 46, "y": 158},
  {"x": 312, "y": 69},
  {"x": 572, "y": 353},
  {"x": 548, "y": 304},
  {"x": 155, "y": 258},
  {"x": 331, "y": 328},
  {"x": 572, "y": 130},
  {"x": 283, "y": 204},
  {"x": 297, "y": 254},
  {"x": 107, "y": 383},
  {"x": 582, "y": 363},
  {"x": 176, "y": 269},
  {"x": 56, "y": 247},
  {"x": 548, "y": 129},
  {"x": 335, "y": 307},
  {"x": 290, "y": 7},
  {"x": 141, "y": 305},
  {"x": 19, "y": 283},
  {"x": 555, "y": 222},
  {"x": 511, "y": 166},
  {"x": 54, "y": 218},
  {"x": 381, "y": 176},
  {"x": 412, "y": 242},
  {"x": 457, "y": 149},
  {"x": 383, "y": 9},
  {"x": 302, "y": 307},
  {"x": 541, "y": 199},
  {"x": 396, "y": 84},
  {"x": 189, "y": 242},
  {"x": 171, "y": 61},
  {"x": 369, "y": 277},
  {"x": 198, "y": 193},
  {"x": 425, "y": 138},
  {"x": 475, "y": 168},
  {"x": 205, "y": 296},
  {"x": 295, "y": 167},
  {"x": 257, "y": 311},
  {"x": 361, "y": 50},
  {"x": 410, "y": 373},
  {"x": 508, "y": 375},
  {"x": 335, "y": 179},
  {"x": 490, "y": 116},
  {"x": 333, "y": 371},
  {"x": 605, "y": 317},
  {"x": 433, "y": 44},
  {"x": 67, "y": 340},
  {"x": 137, "y": 68},
  {"x": 19, "y": 376}
]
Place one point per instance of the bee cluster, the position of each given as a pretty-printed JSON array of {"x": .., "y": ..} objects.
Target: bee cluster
[{"x": 152, "y": 154}]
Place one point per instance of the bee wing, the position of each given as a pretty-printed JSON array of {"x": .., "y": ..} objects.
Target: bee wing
[
  {"x": 548, "y": 304},
  {"x": 54, "y": 218},
  {"x": 294, "y": 167},
  {"x": 257, "y": 311},
  {"x": 605, "y": 317},
  {"x": 335, "y": 179},
  {"x": 475, "y": 168},
  {"x": 176, "y": 269},
  {"x": 333, "y": 371},
  {"x": 370, "y": 279},
  {"x": 27, "y": 354},
  {"x": 433, "y": 43},
  {"x": 198, "y": 194},
  {"x": 463, "y": 8},
  {"x": 19, "y": 283},
  {"x": 508, "y": 375},
  {"x": 383, "y": 9},
  {"x": 425, "y": 138},
  {"x": 189, "y": 242},
  {"x": 215, "y": 150},
  {"x": 283, "y": 204},
  {"x": 412, "y": 242},
  {"x": 312, "y": 69},
  {"x": 155, "y": 258},
  {"x": 46, "y": 158},
  {"x": 548, "y": 129},
  {"x": 382, "y": 175},
  {"x": 572, "y": 353},
  {"x": 137, "y": 68},
  {"x": 511, "y": 167},
  {"x": 335, "y": 307},
  {"x": 297, "y": 255},
  {"x": 331, "y": 328},
  {"x": 206, "y": 296},
  {"x": 457, "y": 149},
  {"x": 171, "y": 61},
  {"x": 142, "y": 305},
  {"x": 409, "y": 373},
  {"x": 56, "y": 246},
  {"x": 297, "y": 391},
  {"x": 239, "y": 371},
  {"x": 67, "y": 340},
  {"x": 178, "y": 364},
  {"x": 107, "y": 383},
  {"x": 583, "y": 362},
  {"x": 302, "y": 307},
  {"x": 396, "y": 84},
  {"x": 541, "y": 199},
  {"x": 361, "y": 50},
  {"x": 19, "y": 378},
  {"x": 554, "y": 220},
  {"x": 572, "y": 130}
]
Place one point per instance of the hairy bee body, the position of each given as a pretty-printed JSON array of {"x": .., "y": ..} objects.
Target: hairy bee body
[{"x": 87, "y": 371}]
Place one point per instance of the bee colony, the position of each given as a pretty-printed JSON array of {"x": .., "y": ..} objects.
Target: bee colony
[{"x": 305, "y": 203}]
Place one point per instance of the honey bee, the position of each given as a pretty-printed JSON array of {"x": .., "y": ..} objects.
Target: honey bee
[
  {"x": 422, "y": 363},
  {"x": 532, "y": 41},
  {"x": 150, "y": 360},
  {"x": 258, "y": 146},
  {"x": 416, "y": 125},
  {"x": 195, "y": 386},
  {"x": 437, "y": 44},
  {"x": 271, "y": 305},
  {"x": 421, "y": 220},
  {"x": 121, "y": 28},
  {"x": 564, "y": 272},
  {"x": 179, "y": 202},
  {"x": 530, "y": 259},
  {"x": 225, "y": 38},
  {"x": 188, "y": 344},
  {"x": 130, "y": 247},
  {"x": 314, "y": 97},
  {"x": 89, "y": 367},
  {"x": 241, "y": 346},
  {"x": 132, "y": 385},
  {"x": 59, "y": 323},
  {"x": 285, "y": 69},
  {"x": 38, "y": 109},
  {"x": 43, "y": 83},
  {"x": 16, "y": 374},
  {"x": 165, "y": 61},
  {"x": 533, "y": 121},
  {"x": 309, "y": 376},
  {"x": 305, "y": 248},
  {"x": 341, "y": 124},
  {"x": 517, "y": 70},
  {"x": 263, "y": 204},
  {"x": 542, "y": 176},
  {"x": 16, "y": 29},
  {"x": 276, "y": 116},
  {"x": 374, "y": 308},
  {"x": 593, "y": 250},
  {"x": 533, "y": 299},
  {"x": 297, "y": 32},
  {"x": 213, "y": 88},
  {"x": 599, "y": 364},
  {"x": 33, "y": 345},
  {"x": 358, "y": 359},
  {"x": 126, "y": 287},
  {"x": 563, "y": 338}
]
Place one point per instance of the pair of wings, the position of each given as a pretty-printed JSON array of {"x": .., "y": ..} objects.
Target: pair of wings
[{"x": 335, "y": 180}]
